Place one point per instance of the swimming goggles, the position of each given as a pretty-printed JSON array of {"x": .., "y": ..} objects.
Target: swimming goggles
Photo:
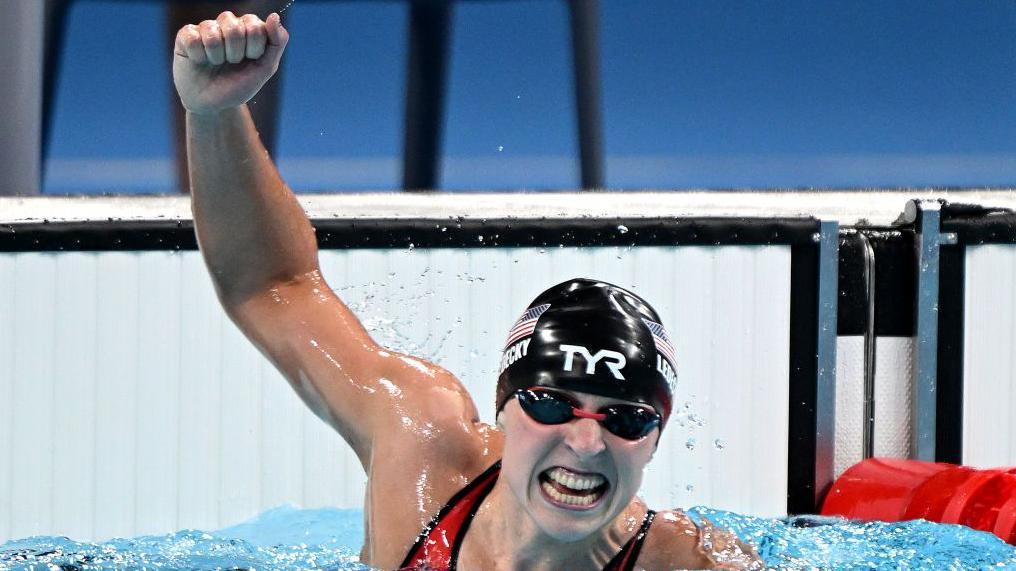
[{"x": 627, "y": 421}]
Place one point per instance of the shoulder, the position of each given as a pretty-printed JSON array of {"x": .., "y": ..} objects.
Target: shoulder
[
  {"x": 432, "y": 416},
  {"x": 411, "y": 479},
  {"x": 672, "y": 543},
  {"x": 676, "y": 541}
]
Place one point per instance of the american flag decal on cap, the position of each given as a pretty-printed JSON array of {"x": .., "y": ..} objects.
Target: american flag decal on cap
[
  {"x": 526, "y": 324},
  {"x": 663, "y": 345}
]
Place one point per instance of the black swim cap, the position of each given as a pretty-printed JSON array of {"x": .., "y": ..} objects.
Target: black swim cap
[{"x": 592, "y": 337}]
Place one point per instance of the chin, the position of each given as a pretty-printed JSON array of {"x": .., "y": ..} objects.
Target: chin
[{"x": 566, "y": 530}]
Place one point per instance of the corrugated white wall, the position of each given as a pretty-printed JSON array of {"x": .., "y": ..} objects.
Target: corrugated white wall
[
  {"x": 129, "y": 404},
  {"x": 989, "y": 357}
]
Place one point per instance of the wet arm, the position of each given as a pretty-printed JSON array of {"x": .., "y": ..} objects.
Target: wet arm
[
  {"x": 252, "y": 231},
  {"x": 260, "y": 250},
  {"x": 262, "y": 255}
]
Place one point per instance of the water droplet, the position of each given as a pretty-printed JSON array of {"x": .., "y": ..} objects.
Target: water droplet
[
  {"x": 689, "y": 444},
  {"x": 719, "y": 444},
  {"x": 622, "y": 228},
  {"x": 689, "y": 488},
  {"x": 500, "y": 148}
]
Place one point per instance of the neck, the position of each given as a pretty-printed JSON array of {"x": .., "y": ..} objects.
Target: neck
[{"x": 511, "y": 540}]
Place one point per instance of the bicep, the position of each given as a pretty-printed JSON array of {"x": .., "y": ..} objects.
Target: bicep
[{"x": 362, "y": 390}]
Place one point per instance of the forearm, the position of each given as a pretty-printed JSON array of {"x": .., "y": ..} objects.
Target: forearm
[{"x": 252, "y": 231}]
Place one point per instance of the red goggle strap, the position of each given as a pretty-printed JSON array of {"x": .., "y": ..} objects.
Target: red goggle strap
[{"x": 579, "y": 413}]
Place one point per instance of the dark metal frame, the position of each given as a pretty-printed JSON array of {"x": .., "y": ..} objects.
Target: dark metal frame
[
  {"x": 814, "y": 271},
  {"x": 926, "y": 218},
  {"x": 454, "y": 232}
]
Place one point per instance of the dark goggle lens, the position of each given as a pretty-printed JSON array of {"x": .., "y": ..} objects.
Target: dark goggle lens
[
  {"x": 545, "y": 407},
  {"x": 630, "y": 422},
  {"x": 626, "y": 421}
]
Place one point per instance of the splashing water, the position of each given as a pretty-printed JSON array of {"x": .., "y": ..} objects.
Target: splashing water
[
  {"x": 286, "y": 7},
  {"x": 289, "y": 539},
  {"x": 284, "y": 539},
  {"x": 817, "y": 542}
]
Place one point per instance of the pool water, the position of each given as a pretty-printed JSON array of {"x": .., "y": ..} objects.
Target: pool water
[{"x": 288, "y": 539}]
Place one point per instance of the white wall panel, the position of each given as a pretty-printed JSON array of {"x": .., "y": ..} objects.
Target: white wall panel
[
  {"x": 158, "y": 391},
  {"x": 239, "y": 420},
  {"x": 117, "y": 353},
  {"x": 8, "y": 354},
  {"x": 989, "y": 356},
  {"x": 129, "y": 404},
  {"x": 74, "y": 388},
  {"x": 282, "y": 418},
  {"x": 33, "y": 437},
  {"x": 201, "y": 324},
  {"x": 894, "y": 373}
]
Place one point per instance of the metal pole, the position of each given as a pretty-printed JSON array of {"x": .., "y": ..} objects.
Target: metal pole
[
  {"x": 22, "y": 45},
  {"x": 926, "y": 217},
  {"x": 429, "y": 33},
  {"x": 825, "y": 378},
  {"x": 868, "y": 430},
  {"x": 56, "y": 31},
  {"x": 585, "y": 24}
]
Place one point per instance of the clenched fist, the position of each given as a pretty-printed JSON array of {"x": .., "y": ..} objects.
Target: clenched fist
[{"x": 223, "y": 63}]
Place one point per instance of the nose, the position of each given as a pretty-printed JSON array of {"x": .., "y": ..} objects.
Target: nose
[{"x": 585, "y": 437}]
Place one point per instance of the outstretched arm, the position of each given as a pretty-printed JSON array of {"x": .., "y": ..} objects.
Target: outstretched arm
[
  {"x": 251, "y": 229},
  {"x": 262, "y": 255}
]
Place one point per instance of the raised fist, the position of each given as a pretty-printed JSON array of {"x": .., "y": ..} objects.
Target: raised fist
[{"x": 223, "y": 63}]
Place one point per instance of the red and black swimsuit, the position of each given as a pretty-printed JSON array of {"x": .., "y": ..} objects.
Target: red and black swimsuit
[{"x": 437, "y": 547}]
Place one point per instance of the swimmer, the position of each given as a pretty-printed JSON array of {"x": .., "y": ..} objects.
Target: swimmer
[{"x": 584, "y": 391}]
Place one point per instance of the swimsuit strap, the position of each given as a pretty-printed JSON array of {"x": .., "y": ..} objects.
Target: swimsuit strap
[
  {"x": 629, "y": 554},
  {"x": 437, "y": 546}
]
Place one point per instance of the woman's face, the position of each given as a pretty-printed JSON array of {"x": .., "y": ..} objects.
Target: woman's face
[{"x": 572, "y": 479}]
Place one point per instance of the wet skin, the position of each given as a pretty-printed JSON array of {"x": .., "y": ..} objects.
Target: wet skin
[
  {"x": 580, "y": 446},
  {"x": 542, "y": 532},
  {"x": 412, "y": 424}
]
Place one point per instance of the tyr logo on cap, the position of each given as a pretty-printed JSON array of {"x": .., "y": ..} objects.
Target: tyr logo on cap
[{"x": 615, "y": 361}]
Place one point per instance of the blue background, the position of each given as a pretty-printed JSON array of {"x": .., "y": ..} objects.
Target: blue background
[{"x": 696, "y": 95}]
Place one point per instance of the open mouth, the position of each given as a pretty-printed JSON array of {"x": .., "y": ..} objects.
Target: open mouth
[{"x": 572, "y": 490}]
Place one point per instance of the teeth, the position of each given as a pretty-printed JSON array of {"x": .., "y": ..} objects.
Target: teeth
[
  {"x": 568, "y": 498},
  {"x": 575, "y": 482}
]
